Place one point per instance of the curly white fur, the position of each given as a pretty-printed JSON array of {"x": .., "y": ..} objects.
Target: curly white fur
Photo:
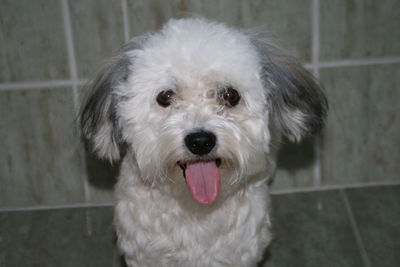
[{"x": 157, "y": 220}]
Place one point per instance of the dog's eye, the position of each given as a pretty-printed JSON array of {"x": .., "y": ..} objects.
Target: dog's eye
[
  {"x": 229, "y": 97},
  {"x": 165, "y": 98}
]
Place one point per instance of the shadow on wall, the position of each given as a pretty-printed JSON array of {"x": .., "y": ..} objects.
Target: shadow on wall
[
  {"x": 294, "y": 156},
  {"x": 101, "y": 173},
  {"x": 291, "y": 157}
]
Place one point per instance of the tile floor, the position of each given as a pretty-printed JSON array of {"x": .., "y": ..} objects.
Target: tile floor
[{"x": 350, "y": 227}]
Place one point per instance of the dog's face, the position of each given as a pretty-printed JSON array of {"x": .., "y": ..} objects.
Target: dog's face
[{"x": 199, "y": 104}]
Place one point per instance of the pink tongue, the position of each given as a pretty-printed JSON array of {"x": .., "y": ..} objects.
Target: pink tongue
[{"x": 203, "y": 180}]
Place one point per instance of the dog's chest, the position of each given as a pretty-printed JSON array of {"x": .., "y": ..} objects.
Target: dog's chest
[{"x": 154, "y": 230}]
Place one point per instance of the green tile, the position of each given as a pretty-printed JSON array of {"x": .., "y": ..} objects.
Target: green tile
[
  {"x": 150, "y": 15},
  {"x": 377, "y": 215},
  {"x": 39, "y": 149},
  {"x": 286, "y": 21},
  {"x": 101, "y": 237},
  {"x": 70, "y": 237},
  {"x": 226, "y": 11},
  {"x": 359, "y": 28},
  {"x": 312, "y": 229},
  {"x": 363, "y": 129},
  {"x": 295, "y": 166},
  {"x": 32, "y": 41},
  {"x": 98, "y": 33}
]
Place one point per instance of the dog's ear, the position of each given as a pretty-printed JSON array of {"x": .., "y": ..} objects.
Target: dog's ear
[
  {"x": 298, "y": 105},
  {"x": 98, "y": 117}
]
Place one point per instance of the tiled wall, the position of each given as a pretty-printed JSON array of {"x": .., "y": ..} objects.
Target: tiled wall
[{"x": 49, "y": 48}]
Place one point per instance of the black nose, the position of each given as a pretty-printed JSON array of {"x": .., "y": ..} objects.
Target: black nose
[{"x": 200, "y": 143}]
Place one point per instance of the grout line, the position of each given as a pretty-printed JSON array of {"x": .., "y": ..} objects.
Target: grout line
[
  {"x": 35, "y": 85},
  {"x": 359, "y": 62},
  {"x": 356, "y": 232},
  {"x": 74, "y": 77},
  {"x": 315, "y": 47},
  {"x": 315, "y": 33},
  {"x": 56, "y": 207},
  {"x": 71, "y": 51},
  {"x": 125, "y": 19},
  {"x": 317, "y": 164},
  {"x": 32, "y": 85},
  {"x": 75, "y": 84},
  {"x": 334, "y": 187},
  {"x": 88, "y": 222},
  {"x": 69, "y": 41},
  {"x": 273, "y": 192},
  {"x": 310, "y": 66}
]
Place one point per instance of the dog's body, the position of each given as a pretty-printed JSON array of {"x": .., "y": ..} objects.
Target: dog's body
[{"x": 199, "y": 108}]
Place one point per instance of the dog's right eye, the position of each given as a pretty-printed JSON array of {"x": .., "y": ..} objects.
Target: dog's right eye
[
  {"x": 229, "y": 97},
  {"x": 165, "y": 98}
]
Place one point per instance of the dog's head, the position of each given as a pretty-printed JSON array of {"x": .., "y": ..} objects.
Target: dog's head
[{"x": 199, "y": 103}]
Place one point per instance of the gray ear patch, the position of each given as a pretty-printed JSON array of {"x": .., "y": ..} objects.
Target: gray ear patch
[
  {"x": 298, "y": 104},
  {"x": 98, "y": 118}
]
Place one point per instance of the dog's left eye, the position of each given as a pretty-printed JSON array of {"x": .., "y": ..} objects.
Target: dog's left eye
[
  {"x": 165, "y": 98},
  {"x": 229, "y": 97}
]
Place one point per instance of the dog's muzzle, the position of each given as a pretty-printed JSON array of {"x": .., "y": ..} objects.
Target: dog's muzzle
[{"x": 202, "y": 175}]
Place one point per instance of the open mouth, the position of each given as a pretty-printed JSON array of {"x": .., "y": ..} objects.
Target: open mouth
[{"x": 203, "y": 179}]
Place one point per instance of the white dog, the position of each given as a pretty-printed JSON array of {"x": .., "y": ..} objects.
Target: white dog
[{"x": 199, "y": 108}]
